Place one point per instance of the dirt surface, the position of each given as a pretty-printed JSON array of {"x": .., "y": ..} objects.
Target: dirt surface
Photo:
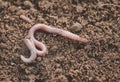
[{"x": 67, "y": 60}]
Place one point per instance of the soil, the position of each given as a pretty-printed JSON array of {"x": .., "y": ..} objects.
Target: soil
[{"x": 67, "y": 60}]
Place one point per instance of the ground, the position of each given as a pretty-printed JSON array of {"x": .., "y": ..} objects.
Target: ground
[{"x": 67, "y": 60}]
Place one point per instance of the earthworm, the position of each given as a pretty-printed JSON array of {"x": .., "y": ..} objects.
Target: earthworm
[
  {"x": 34, "y": 44},
  {"x": 25, "y": 18},
  {"x": 61, "y": 32},
  {"x": 32, "y": 49}
]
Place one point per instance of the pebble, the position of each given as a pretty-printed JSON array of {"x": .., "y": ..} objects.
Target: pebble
[
  {"x": 76, "y": 27},
  {"x": 28, "y": 4},
  {"x": 39, "y": 59},
  {"x": 12, "y": 63}
]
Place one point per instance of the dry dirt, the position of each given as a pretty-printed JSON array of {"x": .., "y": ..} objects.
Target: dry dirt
[{"x": 67, "y": 60}]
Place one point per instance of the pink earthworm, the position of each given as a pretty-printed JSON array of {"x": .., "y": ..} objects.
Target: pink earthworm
[
  {"x": 61, "y": 32},
  {"x": 25, "y": 18},
  {"x": 32, "y": 43},
  {"x": 32, "y": 49}
]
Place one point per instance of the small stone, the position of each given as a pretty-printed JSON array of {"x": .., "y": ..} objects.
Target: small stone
[
  {"x": 54, "y": 48},
  {"x": 28, "y": 4},
  {"x": 12, "y": 63},
  {"x": 76, "y": 27},
  {"x": 57, "y": 65},
  {"x": 41, "y": 20},
  {"x": 79, "y": 8},
  {"x": 38, "y": 58},
  {"x": 27, "y": 71}
]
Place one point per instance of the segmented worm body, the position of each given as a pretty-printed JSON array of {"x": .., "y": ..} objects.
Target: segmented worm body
[{"x": 34, "y": 44}]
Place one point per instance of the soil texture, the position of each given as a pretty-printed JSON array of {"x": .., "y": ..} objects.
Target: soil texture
[{"x": 67, "y": 60}]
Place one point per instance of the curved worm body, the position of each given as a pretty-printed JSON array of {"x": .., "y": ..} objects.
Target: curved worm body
[
  {"x": 34, "y": 44},
  {"x": 61, "y": 32},
  {"x": 31, "y": 47}
]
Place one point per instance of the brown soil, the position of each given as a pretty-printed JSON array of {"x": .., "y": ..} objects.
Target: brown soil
[{"x": 67, "y": 60}]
